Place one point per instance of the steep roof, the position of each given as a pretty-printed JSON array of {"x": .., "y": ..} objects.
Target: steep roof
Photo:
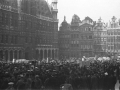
[
  {"x": 75, "y": 20},
  {"x": 88, "y": 18},
  {"x": 45, "y": 8}
]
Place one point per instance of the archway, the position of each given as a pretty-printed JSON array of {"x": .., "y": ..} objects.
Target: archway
[
  {"x": 27, "y": 53},
  {"x": 45, "y": 54},
  {"x": 41, "y": 54},
  {"x": 49, "y": 54},
  {"x": 6, "y": 55},
  {"x": 1, "y": 55},
  {"x": 20, "y": 54},
  {"x": 37, "y": 54},
  {"x": 15, "y": 53},
  {"x": 56, "y": 54},
  {"x": 52, "y": 54},
  {"x": 11, "y": 55}
]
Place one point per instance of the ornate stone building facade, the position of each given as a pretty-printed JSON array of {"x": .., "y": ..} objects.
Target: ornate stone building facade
[
  {"x": 113, "y": 36},
  {"x": 76, "y": 39},
  {"x": 89, "y": 38},
  {"x": 28, "y": 29},
  {"x": 100, "y": 38}
]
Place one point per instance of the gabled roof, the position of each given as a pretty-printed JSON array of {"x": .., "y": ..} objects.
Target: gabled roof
[
  {"x": 88, "y": 18},
  {"x": 75, "y": 18}
]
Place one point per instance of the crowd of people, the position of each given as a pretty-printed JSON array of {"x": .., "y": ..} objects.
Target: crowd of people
[{"x": 44, "y": 76}]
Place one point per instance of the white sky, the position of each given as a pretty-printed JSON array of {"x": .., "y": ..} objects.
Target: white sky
[{"x": 92, "y": 8}]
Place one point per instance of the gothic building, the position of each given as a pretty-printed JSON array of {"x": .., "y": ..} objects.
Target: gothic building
[{"x": 28, "y": 29}]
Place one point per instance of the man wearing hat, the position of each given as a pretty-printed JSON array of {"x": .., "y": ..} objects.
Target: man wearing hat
[
  {"x": 67, "y": 86},
  {"x": 10, "y": 87},
  {"x": 37, "y": 83},
  {"x": 21, "y": 83}
]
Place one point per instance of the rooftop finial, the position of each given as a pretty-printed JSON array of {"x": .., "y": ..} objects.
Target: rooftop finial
[
  {"x": 100, "y": 19},
  {"x": 64, "y": 18},
  {"x": 113, "y": 18}
]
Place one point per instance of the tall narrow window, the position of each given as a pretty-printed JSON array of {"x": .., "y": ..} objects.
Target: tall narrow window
[
  {"x": 2, "y": 39},
  {"x": 6, "y": 38}
]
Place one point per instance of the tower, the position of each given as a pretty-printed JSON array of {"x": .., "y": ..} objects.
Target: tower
[
  {"x": 55, "y": 10},
  {"x": 19, "y": 5}
]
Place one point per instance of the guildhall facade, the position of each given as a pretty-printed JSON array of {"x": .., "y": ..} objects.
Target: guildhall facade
[{"x": 76, "y": 39}]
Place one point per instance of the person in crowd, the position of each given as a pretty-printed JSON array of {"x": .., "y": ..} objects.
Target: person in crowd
[
  {"x": 37, "y": 83},
  {"x": 10, "y": 87},
  {"x": 28, "y": 82},
  {"x": 67, "y": 86},
  {"x": 96, "y": 75},
  {"x": 21, "y": 85}
]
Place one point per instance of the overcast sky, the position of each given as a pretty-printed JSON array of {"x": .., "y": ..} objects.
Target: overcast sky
[{"x": 92, "y": 8}]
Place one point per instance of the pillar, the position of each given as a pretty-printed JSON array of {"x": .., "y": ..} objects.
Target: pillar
[
  {"x": 57, "y": 54},
  {"x": 43, "y": 54},
  {"x": 8, "y": 55},
  {"x": 22, "y": 54},
  {"x": 3, "y": 55},
  {"x": 51, "y": 53},
  {"x": 39, "y": 55},
  {"x": 47, "y": 53},
  {"x": 13, "y": 54},
  {"x": 54, "y": 54},
  {"x": 18, "y": 54}
]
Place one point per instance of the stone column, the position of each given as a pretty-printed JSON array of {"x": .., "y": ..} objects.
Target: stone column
[
  {"x": 3, "y": 55},
  {"x": 43, "y": 54},
  {"x": 8, "y": 56},
  {"x": 54, "y": 54},
  {"x": 39, "y": 55},
  {"x": 47, "y": 53},
  {"x": 18, "y": 54},
  {"x": 57, "y": 53},
  {"x": 51, "y": 53},
  {"x": 13, "y": 54},
  {"x": 22, "y": 54}
]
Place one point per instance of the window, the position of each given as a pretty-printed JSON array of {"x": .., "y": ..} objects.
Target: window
[
  {"x": 16, "y": 39},
  {"x": 89, "y": 28},
  {"x": 26, "y": 40},
  {"x": 2, "y": 39},
  {"x": 6, "y": 38},
  {"x": 12, "y": 39},
  {"x": 3, "y": 18},
  {"x": 0, "y": 18},
  {"x": 90, "y": 37},
  {"x": 86, "y": 29}
]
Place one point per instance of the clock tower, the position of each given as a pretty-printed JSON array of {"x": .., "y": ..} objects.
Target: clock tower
[{"x": 54, "y": 10}]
